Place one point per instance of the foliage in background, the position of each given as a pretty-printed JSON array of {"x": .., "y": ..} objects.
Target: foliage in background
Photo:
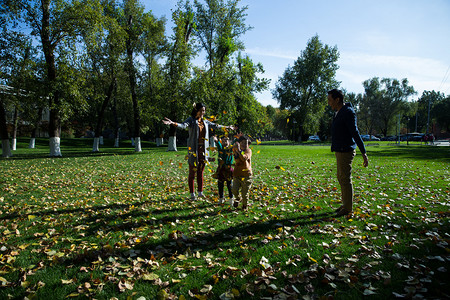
[
  {"x": 88, "y": 81},
  {"x": 384, "y": 99},
  {"x": 302, "y": 88}
]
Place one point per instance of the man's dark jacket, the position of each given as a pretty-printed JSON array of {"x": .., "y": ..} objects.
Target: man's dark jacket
[{"x": 344, "y": 131}]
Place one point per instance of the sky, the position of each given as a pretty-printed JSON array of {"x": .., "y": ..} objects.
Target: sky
[{"x": 384, "y": 38}]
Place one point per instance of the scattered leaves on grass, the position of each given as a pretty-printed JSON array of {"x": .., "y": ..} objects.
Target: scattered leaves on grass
[{"x": 128, "y": 223}]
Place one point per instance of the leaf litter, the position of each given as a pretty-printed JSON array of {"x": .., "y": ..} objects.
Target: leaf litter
[{"x": 134, "y": 229}]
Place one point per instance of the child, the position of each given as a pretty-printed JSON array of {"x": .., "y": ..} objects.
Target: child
[
  {"x": 224, "y": 171},
  {"x": 242, "y": 174}
]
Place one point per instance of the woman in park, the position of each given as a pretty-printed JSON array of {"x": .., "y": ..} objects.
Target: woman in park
[{"x": 198, "y": 144}]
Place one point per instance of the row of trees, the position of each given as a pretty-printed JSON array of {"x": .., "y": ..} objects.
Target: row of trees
[
  {"x": 301, "y": 90},
  {"x": 386, "y": 101},
  {"x": 111, "y": 64}
]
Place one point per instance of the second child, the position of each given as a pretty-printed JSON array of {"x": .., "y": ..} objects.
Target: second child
[
  {"x": 224, "y": 171},
  {"x": 242, "y": 174}
]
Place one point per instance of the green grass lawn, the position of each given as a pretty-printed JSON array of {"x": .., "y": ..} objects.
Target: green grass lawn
[{"x": 119, "y": 224}]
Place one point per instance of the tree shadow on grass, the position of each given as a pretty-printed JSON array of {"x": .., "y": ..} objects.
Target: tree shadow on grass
[
  {"x": 414, "y": 153},
  {"x": 111, "y": 206},
  {"x": 169, "y": 246},
  {"x": 217, "y": 239},
  {"x": 166, "y": 248}
]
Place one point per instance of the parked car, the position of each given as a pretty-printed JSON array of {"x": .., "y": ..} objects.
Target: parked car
[
  {"x": 367, "y": 137},
  {"x": 416, "y": 137},
  {"x": 391, "y": 138},
  {"x": 314, "y": 138}
]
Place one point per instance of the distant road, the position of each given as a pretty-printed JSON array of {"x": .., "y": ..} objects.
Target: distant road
[{"x": 442, "y": 143}]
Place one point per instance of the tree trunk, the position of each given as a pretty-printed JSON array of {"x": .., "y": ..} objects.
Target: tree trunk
[
  {"x": 95, "y": 146},
  {"x": 6, "y": 150},
  {"x": 172, "y": 144},
  {"x": 116, "y": 122},
  {"x": 132, "y": 78},
  {"x": 35, "y": 128},
  {"x": 33, "y": 136},
  {"x": 299, "y": 138},
  {"x": 54, "y": 126},
  {"x": 32, "y": 144},
  {"x": 98, "y": 129},
  {"x": 137, "y": 145},
  {"x": 14, "y": 132}
]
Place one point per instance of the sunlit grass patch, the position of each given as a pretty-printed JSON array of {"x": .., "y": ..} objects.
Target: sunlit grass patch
[{"x": 121, "y": 225}]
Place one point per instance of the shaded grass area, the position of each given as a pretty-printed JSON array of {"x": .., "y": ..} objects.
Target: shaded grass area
[{"x": 112, "y": 225}]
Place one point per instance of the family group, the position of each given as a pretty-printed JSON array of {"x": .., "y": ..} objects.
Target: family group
[
  {"x": 235, "y": 168},
  {"x": 234, "y": 157}
]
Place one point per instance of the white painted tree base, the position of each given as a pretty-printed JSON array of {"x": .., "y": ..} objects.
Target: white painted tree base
[
  {"x": 55, "y": 147},
  {"x": 172, "y": 144},
  {"x": 101, "y": 140},
  {"x": 212, "y": 143},
  {"x": 95, "y": 147},
  {"x": 137, "y": 145},
  {"x": 32, "y": 144},
  {"x": 159, "y": 142},
  {"x": 6, "y": 150},
  {"x": 116, "y": 143},
  {"x": 14, "y": 145}
]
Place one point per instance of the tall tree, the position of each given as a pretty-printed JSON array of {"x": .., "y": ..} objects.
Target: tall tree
[
  {"x": 13, "y": 58},
  {"x": 56, "y": 23},
  {"x": 441, "y": 113},
  {"x": 33, "y": 105},
  {"x": 178, "y": 66},
  {"x": 354, "y": 99},
  {"x": 104, "y": 49},
  {"x": 219, "y": 25},
  {"x": 385, "y": 99},
  {"x": 302, "y": 88},
  {"x": 394, "y": 100},
  {"x": 138, "y": 26},
  {"x": 251, "y": 115},
  {"x": 154, "y": 51},
  {"x": 22, "y": 76},
  {"x": 368, "y": 118},
  {"x": 431, "y": 105},
  {"x": 278, "y": 118},
  {"x": 228, "y": 82}
]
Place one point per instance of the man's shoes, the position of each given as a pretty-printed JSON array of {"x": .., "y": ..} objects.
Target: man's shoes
[
  {"x": 201, "y": 195},
  {"x": 221, "y": 200},
  {"x": 343, "y": 212},
  {"x": 193, "y": 197}
]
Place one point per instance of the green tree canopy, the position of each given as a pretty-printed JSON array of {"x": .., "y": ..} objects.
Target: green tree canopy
[
  {"x": 303, "y": 86},
  {"x": 383, "y": 100},
  {"x": 57, "y": 24}
]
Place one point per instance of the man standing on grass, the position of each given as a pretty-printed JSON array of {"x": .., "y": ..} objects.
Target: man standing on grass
[{"x": 344, "y": 138}]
